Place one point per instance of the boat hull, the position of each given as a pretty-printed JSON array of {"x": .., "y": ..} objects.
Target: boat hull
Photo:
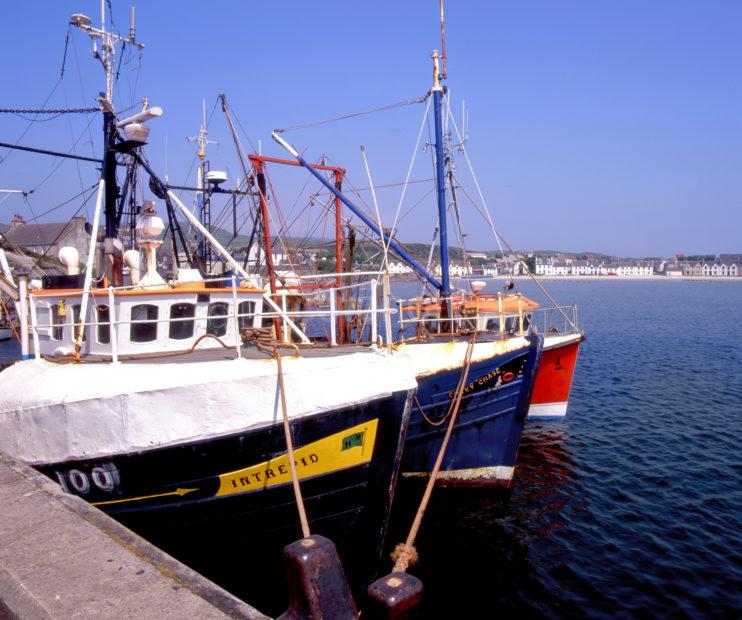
[
  {"x": 236, "y": 491},
  {"x": 5, "y": 333},
  {"x": 554, "y": 379},
  {"x": 484, "y": 442}
]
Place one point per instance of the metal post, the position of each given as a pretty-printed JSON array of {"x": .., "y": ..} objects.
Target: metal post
[
  {"x": 520, "y": 314},
  {"x": 502, "y": 317},
  {"x": 112, "y": 335},
  {"x": 333, "y": 327},
  {"x": 339, "y": 253},
  {"x": 388, "y": 313},
  {"x": 23, "y": 290},
  {"x": 34, "y": 328},
  {"x": 373, "y": 311},
  {"x": 284, "y": 308},
  {"x": 78, "y": 331},
  {"x": 237, "y": 342}
]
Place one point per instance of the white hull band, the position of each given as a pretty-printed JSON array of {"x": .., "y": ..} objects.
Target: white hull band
[
  {"x": 96, "y": 410},
  {"x": 547, "y": 410},
  {"x": 500, "y": 474}
]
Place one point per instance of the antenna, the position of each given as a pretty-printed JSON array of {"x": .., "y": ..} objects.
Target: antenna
[
  {"x": 206, "y": 183},
  {"x": 107, "y": 41},
  {"x": 443, "y": 44},
  {"x": 132, "y": 29}
]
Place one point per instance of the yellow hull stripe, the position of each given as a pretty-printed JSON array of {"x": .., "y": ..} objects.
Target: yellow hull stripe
[{"x": 348, "y": 448}]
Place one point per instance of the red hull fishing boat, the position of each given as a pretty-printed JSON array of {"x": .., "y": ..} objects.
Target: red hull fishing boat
[{"x": 511, "y": 314}]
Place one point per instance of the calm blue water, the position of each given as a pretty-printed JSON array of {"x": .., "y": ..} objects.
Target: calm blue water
[
  {"x": 9, "y": 349},
  {"x": 633, "y": 505}
]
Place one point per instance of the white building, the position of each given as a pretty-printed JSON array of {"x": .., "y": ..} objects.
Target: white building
[{"x": 398, "y": 268}]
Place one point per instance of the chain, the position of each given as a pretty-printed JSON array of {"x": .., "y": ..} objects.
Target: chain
[{"x": 67, "y": 111}]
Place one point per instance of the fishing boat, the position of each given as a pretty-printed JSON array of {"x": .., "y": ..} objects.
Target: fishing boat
[
  {"x": 511, "y": 313},
  {"x": 174, "y": 404},
  {"x": 501, "y": 369}
]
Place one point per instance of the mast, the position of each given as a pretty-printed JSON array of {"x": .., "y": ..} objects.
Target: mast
[
  {"x": 440, "y": 181},
  {"x": 203, "y": 195},
  {"x": 106, "y": 55}
]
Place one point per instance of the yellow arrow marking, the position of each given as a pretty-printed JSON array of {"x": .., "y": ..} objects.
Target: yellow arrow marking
[{"x": 136, "y": 499}]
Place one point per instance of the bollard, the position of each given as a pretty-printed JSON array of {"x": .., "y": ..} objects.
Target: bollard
[
  {"x": 392, "y": 597},
  {"x": 317, "y": 584}
]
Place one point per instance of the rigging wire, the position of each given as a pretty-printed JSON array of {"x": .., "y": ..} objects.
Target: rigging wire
[
  {"x": 64, "y": 203},
  {"x": 57, "y": 165},
  {"x": 82, "y": 85},
  {"x": 528, "y": 271},
  {"x": 476, "y": 183},
  {"x": 4, "y": 158},
  {"x": 333, "y": 119},
  {"x": 409, "y": 172},
  {"x": 378, "y": 215}
]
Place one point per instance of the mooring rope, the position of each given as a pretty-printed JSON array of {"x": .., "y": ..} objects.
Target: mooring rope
[
  {"x": 405, "y": 553},
  {"x": 290, "y": 448}
]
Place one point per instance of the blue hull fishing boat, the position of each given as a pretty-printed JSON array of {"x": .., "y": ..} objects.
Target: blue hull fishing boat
[
  {"x": 484, "y": 443},
  {"x": 503, "y": 368}
]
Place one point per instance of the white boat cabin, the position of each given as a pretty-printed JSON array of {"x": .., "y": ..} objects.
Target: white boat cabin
[{"x": 146, "y": 321}]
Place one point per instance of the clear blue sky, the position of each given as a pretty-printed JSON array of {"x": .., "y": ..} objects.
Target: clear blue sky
[{"x": 603, "y": 126}]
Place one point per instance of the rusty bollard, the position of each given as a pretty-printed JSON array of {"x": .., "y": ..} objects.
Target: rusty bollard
[
  {"x": 317, "y": 584},
  {"x": 394, "y": 597}
]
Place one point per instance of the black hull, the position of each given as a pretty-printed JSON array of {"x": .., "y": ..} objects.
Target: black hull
[{"x": 171, "y": 495}]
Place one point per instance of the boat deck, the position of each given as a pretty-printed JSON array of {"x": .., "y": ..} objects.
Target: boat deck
[{"x": 251, "y": 351}]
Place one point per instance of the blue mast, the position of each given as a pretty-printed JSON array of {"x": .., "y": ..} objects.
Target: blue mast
[{"x": 440, "y": 181}]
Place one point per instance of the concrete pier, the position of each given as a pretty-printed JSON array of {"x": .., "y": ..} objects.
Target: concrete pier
[{"x": 62, "y": 558}]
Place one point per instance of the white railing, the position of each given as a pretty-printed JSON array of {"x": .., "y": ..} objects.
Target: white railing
[
  {"x": 233, "y": 316},
  {"x": 554, "y": 319},
  {"x": 325, "y": 302}
]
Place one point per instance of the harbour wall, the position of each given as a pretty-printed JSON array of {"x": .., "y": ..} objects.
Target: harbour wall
[{"x": 61, "y": 558}]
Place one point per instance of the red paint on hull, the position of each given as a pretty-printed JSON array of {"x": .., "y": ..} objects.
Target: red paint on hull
[{"x": 555, "y": 372}]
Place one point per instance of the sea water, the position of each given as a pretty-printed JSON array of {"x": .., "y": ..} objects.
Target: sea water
[{"x": 630, "y": 506}]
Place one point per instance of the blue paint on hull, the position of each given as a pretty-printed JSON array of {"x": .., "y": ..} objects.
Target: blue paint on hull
[{"x": 490, "y": 419}]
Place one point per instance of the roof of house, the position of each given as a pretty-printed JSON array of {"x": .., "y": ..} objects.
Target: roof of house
[{"x": 40, "y": 234}]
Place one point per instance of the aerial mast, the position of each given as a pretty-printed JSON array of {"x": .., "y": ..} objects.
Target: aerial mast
[
  {"x": 203, "y": 196},
  {"x": 105, "y": 55},
  {"x": 440, "y": 180}
]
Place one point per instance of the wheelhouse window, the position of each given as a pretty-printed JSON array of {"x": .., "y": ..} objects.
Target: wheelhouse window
[
  {"x": 245, "y": 310},
  {"x": 56, "y": 321},
  {"x": 181, "y": 321},
  {"x": 144, "y": 323},
  {"x": 216, "y": 323},
  {"x": 76, "y": 322},
  {"x": 103, "y": 329}
]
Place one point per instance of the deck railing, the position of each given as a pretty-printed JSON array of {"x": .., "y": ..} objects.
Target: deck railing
[
  {"x": 422, "y": 321},
  {"x": 323, "y": 299}
]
